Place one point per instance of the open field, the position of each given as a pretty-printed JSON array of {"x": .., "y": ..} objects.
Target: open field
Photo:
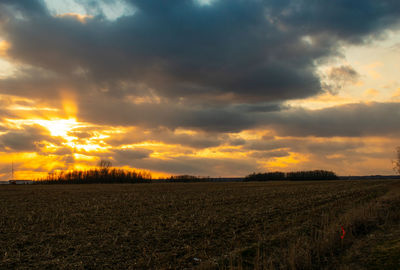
[{"x": 275, "y": 225}]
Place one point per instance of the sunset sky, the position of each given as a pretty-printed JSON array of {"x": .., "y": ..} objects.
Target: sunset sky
[{"x": 209, "y": 88}]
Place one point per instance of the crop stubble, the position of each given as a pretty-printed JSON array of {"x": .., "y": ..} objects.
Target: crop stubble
[{"x": 171, "y": 225}]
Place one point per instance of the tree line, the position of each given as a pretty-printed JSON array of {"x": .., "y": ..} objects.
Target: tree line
[
  {"x": 292, "y": 176},
  {"x": 103, "y": 174}
]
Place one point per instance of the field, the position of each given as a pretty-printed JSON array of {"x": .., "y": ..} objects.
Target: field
[{"x": 275, "y": 225}]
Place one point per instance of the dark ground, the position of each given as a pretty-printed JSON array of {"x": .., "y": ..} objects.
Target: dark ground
[{"x": 278, "y": 225}]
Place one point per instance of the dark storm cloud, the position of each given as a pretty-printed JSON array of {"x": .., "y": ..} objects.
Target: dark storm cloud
[
  {"x": 26, "y": 139},
  {"x": 127, "y": 156},
  {"x": 346, "y": 20},
  {"x": 350, "y": 120},
  {"x": 269, "y": 154},
  {"x": 250, "y": 56},
  {"x": 31, "y": 83},
  {"x": 265, "y": 145},
  {"x": 252, "y": 50},
  {"x": 199, "y": 166},
  {"x": 23, "y": 7},
  {"x": 327, "y": 147},
  {"x": 198, "y": 140},
  {"x": 116, "y": 112},
  {"x": 275, "y": 147}
]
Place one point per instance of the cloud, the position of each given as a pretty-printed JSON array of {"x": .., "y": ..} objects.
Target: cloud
[
  {"x": 371, "y": 92},
  {"x": 190, "y": 76},
  {"x": 269, "y": 154},
  {"x": 358, "y": 119},
  {"x": 221, "y": 67},
  {"x": 128, "y": 156},
  {"x": 339, "y": 77},
  {"x": 350, "y": 120},
  {"x": 116, "y": 112},
  {"x": 241, "y": 50},
  {"x": 199, "y": 166},
  {"x": 25, "y": 139},
  {"x": 396, "y": 94}
]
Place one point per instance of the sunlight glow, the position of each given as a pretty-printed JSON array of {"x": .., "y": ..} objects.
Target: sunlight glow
[
  {"x": 284, "y": 162},
  {"x": 4, "y": 46},
  {"x": 59, "y": 127},
  {"x": 79, "y": 17},
  {"x": 26, "y": 108}
]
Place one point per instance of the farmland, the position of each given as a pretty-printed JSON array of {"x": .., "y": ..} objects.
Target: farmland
[{"x": 274, "y": 225}]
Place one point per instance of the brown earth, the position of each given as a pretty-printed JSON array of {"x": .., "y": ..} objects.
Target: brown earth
[{"x": 277, "y": 225}]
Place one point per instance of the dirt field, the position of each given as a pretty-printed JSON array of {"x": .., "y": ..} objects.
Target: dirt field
[{"x": 276, "y": 225}]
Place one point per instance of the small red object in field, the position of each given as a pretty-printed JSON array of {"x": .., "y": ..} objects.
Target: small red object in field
[{"x": 343, "y": 231}]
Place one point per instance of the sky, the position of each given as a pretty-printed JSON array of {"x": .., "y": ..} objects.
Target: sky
[{"x": 206, "y": 88}]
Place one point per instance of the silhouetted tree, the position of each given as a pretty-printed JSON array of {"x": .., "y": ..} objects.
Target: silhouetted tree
[
  {"x": 105, "y": 164},
  {"x": 103, "y": 174},
  {"x": 269, "y": 176},
  {"x": 187, "y": 178},
  {"x": 311, "y": 175},
  {"x": 396, "y": 162},
  {"x": 292, "y": 176}
]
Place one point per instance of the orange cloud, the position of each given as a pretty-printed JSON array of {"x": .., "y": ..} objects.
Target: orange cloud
[
  {"x": 372, "y": 72},
  {"x": 79, "y": 17},
  {"x": 396, "y": 94},
  {"x": 4, "y": 46},
  {"x": 287, "y": 161},
  {"x": 371, "y": 92}
]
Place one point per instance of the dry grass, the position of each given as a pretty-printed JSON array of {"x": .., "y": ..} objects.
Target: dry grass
[{"x": 282, "y": 225}]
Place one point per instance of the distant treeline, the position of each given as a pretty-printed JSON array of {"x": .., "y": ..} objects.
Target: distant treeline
[
  {"x": 98, "y": 175},
  {"x": 106, "y": 174},
  {"x": 292, "y": 176},
  {"x": 187, "y": 178}
]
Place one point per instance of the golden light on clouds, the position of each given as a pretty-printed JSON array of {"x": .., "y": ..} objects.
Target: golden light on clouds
[
  {"x": 82, "y": 18},
  {"x": 219, "y": 152},
  {"x": 80, "y": 83},
  {"x": 371, "y": 92},
  {"x": 4, "y": 46},
  {"x": 280, "y": 163},
  {"x": 396, "y": 94},
  {"x": 59, "y": 127},
  {"x": 69, "y": 105},
  {"x": 372, "y": 70},
  {"x": 324, "y": 100}
]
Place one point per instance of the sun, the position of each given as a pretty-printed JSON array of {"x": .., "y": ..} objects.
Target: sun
[{"x": 59, "y": 127}]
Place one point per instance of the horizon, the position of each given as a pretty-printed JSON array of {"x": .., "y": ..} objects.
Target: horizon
[{"x": 202, "y": 87}]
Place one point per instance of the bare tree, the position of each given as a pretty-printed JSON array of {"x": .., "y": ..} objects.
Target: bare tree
[
  {"x": 396, "y": 162},
  {"x": 105, "y": 167},
  {"x": 105, "y": 164}
]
